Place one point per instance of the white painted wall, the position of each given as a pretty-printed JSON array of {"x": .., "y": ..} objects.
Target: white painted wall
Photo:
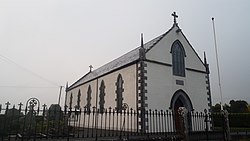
[
  {"x": 161, "y": 51},
  {"x": 159, "y": 86},
  {"x": 83, "y": 89},
  {"x": 162, "y": 86},
  {"x": 161, "y": 82},
  {"x": 196, "y": 89},
  {"x": 129, "y": 94}
]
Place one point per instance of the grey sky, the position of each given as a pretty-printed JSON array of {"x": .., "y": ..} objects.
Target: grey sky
[{"x": 58, "y": 40}]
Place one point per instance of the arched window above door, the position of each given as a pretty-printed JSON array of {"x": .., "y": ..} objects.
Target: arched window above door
[{"x": 178, "y": 58}]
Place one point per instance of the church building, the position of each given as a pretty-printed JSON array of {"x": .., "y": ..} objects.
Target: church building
[{"x": 164, "y": 74}]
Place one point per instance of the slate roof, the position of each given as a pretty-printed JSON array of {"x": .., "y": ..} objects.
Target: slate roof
[{"x": 125, "y": 59}]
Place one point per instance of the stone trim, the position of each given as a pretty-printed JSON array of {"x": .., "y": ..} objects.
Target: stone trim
[
  {"x": 142, "y": 84},
  {"x": 195, "y": 70},
  {"x": 208, "y": 87},
  {"x": 170, "y": 65},
  {"x": 157, "y": 62}
]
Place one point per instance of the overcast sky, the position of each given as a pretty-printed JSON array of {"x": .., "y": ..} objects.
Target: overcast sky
[{"x": 46, "y": 43}]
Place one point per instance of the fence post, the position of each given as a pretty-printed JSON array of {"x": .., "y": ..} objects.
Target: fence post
[
  {"x": 206, "y": 122},
  {"x": 182, "y": 111},
  {"x": 5, "y": 121},
  {"x": 226, "y": 128},
  {"x": 69, "y": 122}
]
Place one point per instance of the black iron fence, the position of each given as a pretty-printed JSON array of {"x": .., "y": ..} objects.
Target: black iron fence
[{"x": 31, "y": 121}]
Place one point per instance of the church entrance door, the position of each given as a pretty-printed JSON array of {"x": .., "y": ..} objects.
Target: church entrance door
[
  {"x": 177, "y": 118},
  {"x": 180, "y": 99}
]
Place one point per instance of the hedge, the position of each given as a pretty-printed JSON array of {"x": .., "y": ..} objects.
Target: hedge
[{"x": 235, "y": 120}]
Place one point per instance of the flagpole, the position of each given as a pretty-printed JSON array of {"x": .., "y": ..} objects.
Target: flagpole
[{"x": 218, "y": 68}]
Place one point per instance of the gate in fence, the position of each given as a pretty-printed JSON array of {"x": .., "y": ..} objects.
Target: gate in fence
[{"x": 30, "y": 121}]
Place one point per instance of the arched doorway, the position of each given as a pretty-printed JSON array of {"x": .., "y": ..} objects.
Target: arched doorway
[{"x": 180, "y": 99}]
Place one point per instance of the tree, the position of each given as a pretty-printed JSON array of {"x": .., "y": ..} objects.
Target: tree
[
  {"x": 239, "y": 106},
  {"x": 216, "y": 108}
]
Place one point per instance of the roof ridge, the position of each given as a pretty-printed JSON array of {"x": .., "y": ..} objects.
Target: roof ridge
[
  {"x": 160, "y": 37},
  {"x": 115, "y": 63},
  {"x": 118, "y": 62},
  {"x": 78, "y": 80}
]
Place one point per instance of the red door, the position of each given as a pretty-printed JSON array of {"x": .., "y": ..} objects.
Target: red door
[{"x": 177, "y": 121}]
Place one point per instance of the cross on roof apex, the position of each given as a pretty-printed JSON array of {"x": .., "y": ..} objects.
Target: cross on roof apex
[
  {"x": 90, "y": 68},
  {"x": 175, "y": 16}
]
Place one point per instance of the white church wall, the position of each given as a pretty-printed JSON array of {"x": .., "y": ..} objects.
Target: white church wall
[
  {"x": 83, "y": 99},
  {"x": 162, "y": 83},
  {"x": 161, "y": 51},
  {"x": 196, "y": 89},
  {"x": 159, "y": 86},
  {"x": 129, "y": 96},
  {"x": 108, "y": 121},
  {"x": 129, "y": 85},
  {"x": 162, "y": 86}
]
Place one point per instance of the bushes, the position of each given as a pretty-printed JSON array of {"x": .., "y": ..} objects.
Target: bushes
[
  {"x": 235, "y": 120},
  {"x": 239, "y": 120}
]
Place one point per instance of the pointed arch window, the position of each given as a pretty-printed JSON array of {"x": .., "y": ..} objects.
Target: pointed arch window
[
  {"x": 70, "y": 101},
  {"x": 78, "y": 99},
  {"x": 88, "y": 106},
  {"x": 178, "y": 59},
  {"x": 119, "y": 93},
  {"x": 101, "y": 96}
]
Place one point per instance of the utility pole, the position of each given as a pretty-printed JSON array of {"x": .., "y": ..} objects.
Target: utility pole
[{"x": 60, "y": 93}]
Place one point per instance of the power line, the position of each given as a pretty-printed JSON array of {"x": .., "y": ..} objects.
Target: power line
[
  {"x": 35, "y": 87},
  {"x": 27, "y": 70}
]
